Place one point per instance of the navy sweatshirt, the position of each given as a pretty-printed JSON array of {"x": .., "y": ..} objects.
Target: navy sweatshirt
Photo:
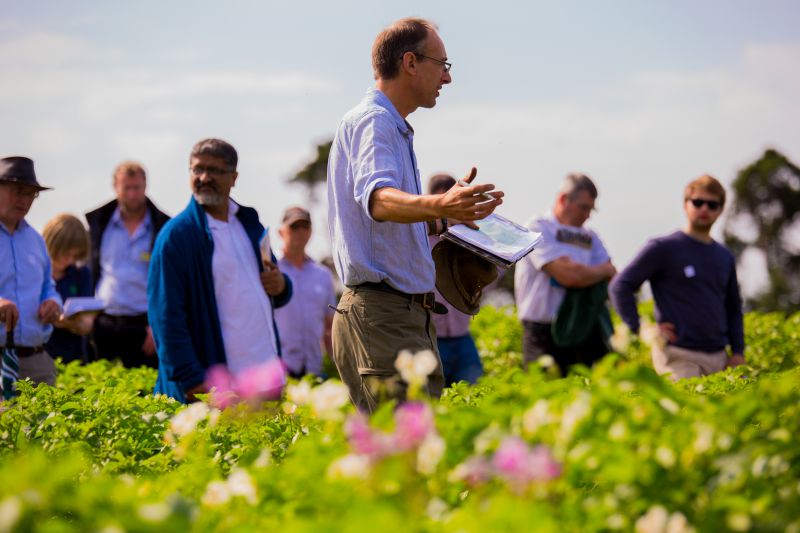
[{"x": 695, "y": 288}]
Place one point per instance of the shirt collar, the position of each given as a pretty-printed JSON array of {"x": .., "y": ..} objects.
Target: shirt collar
[
  {"x": 233, "y": 208},
  {"x": 116, "y": 219},
  {"x": 22, "y": 225},
  {"x": 377, "y": 97}
]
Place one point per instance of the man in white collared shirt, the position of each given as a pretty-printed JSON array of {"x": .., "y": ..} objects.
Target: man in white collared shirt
[{"x": 211, "y": 296}]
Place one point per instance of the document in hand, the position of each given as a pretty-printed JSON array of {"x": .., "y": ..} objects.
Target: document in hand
[
  {"x": 499, "y": 240},
  {"x": 82, "y": 304}
]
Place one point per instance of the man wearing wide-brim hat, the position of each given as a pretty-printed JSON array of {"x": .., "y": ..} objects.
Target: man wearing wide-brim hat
[{"x": 29, "y": 303}]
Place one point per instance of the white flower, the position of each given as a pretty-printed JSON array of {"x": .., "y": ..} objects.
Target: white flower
[
  {"x": 537, "y": 416},
  {"x": 240, "y": 483},
  {"x": 546, "y": 361},
  {"x": 437, "y": 509},
  {"x": 328, "y": 399},
  {"x": 264, "y": 459},
  {"x": 415, "y": 369},
  {"x": 217, "y": 493},
  {"x": 654, "y": 521},
  {"x": 299, "y": 394},
  {"x": 678, "y": 524},
  {"x": 669, "y": 405},
  {"x": 154, "y": 512},
  {"x": 351, "y": 466},
  {"x": 618, "y": 431},
  {"x": 186, "y": 420},
  {"x": 621, "y": 338},
  {"x": 739, "y": 521},
  {"x": 10, "y": 513},
  {"x": 429, "y": 454},
  {"x": 161, "y": 416},
  {"x": 574, "y": 413},
  {"x": 615, "y": 521},
  {"x": 665, "y": 457},
  {"x": 704, "y": 439}
]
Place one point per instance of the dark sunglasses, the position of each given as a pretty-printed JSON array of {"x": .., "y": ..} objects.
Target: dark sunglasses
[{"x": 699, "y": 202}]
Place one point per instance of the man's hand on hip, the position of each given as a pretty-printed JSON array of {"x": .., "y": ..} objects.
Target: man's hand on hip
[{"x": 272, "y": 279}]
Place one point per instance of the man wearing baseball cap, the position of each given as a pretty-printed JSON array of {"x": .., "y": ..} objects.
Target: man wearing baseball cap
[
  {"x": 305, "y": 322},
  {"x": 29, "y": 302}
]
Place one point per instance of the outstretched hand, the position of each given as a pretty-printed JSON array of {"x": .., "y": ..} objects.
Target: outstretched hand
[{"x": 463, "y": 205}]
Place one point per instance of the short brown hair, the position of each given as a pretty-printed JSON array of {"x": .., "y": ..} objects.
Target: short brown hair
[
  {"x": 129, "y": 168},
  {"x": 575, "y": 183},
  {"x": 404, "y": 35},
  {"x": 705, "y": 183},
  {"x": 64, "y": 233}
]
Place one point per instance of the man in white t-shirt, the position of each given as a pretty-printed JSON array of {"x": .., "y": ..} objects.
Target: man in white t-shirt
[
  {"x": 305, "y": 322},
  {"x": 571, "y": 257},
  {"x": 211, "y": 294}
]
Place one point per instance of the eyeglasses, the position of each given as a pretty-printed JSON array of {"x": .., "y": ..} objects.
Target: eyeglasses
[
  {"x": 713, "y": 205},
  {"x": 214, "y": 172},
  {"x": 447, "y": 66},
  {"x": 24, "y": 192}
]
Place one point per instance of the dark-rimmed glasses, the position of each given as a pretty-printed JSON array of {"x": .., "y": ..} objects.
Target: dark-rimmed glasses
[
  {"x": 713, "y": 205},
  {"x": 214, "y": 172},
  {"x": 447, "y": 66}
]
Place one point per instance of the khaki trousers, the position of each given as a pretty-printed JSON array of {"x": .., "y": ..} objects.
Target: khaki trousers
[
  {"x": 683, "y": 363},
  {"x": 369, "y": 330},
  {"x": 39, "y": 367}
]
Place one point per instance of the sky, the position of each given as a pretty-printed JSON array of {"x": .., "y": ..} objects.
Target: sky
[{"x": 642, "y": 96}]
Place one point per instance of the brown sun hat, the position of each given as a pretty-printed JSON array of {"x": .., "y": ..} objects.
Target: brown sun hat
[{"x": 461, "y": 276}]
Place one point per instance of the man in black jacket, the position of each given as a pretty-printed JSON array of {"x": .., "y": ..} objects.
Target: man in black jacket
[{"x": 122, "y": 233}]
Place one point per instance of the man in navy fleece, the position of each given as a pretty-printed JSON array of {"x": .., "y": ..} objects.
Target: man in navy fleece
[{"x": 693, "y": 279}]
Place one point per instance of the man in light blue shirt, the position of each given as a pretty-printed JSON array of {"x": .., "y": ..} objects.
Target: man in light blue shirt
[
  {"x": 122, "y": 233},
  {"x": 29, "y": 303},
  {"x": 377, "y": 216}
]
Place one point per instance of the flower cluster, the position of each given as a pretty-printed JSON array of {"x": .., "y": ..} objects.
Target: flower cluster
[
  {"x": 239, "y": 483},
  {"x": 514, "y": 462},
  {"x": 414, "y": 369},
  {"x": 260, "y": 382},
  {"x": 326, "y": 400},
  {"x": 186, "y": 420},
  {"x": 414, "y": 430}
]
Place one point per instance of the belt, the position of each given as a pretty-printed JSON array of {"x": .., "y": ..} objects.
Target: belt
[
  {"x": 427, "y": 300},
  {"x": 27, "y": 351}
]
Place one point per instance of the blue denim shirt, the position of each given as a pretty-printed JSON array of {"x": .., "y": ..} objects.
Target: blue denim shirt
[
  {"x": 374, "y": 148},
  {"x": 26, "y": 279},
  {"x": 124, "y": 260}
]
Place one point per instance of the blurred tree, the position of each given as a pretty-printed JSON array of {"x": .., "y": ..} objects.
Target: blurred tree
[
  {"x": 315, "y": 172},
  {"x": 765, "y": 216}
]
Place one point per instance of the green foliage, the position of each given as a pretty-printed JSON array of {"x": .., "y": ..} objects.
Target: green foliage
[
  {"x": 768, "y": 201},
  {"x": 100, "y": 453}
]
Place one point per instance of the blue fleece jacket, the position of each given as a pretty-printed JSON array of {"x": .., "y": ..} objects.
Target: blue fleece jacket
[{"x": 182, "y": 307}]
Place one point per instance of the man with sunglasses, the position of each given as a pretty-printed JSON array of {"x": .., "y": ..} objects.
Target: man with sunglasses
[
  {"x": 379, "y": 220},
  {"x": 696, "y": 292},
  {"x": 29, "y": 302},
  {"x": 211, "y": 296}
]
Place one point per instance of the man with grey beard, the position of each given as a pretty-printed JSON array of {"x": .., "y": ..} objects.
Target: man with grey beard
[{"x": 212, "y": 289}]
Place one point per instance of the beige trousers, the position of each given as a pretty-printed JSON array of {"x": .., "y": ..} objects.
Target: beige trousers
[
  {"x": 683, "y": 363},
  {"x": 369, "y": 330}
]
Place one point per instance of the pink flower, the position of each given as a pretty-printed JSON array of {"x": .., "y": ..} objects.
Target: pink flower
[
  {"x": 260, "y": 382},
  {"x": 363, "y": 440},
  {"x": 541, "y": 464},
  {"x": 220, "y": 382},
  {"x": 511, "y": 459},
  {"x": 413, "y": 422},
  {"x": 474, "y": 471},
  {"x": 263, "y": 382}
]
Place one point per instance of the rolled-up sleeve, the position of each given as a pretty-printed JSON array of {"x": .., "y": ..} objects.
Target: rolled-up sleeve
[{"x": 374, "y": 150}]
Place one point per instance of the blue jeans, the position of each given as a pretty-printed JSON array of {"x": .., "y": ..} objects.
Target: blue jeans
[{"x": 460, "y": 359}]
